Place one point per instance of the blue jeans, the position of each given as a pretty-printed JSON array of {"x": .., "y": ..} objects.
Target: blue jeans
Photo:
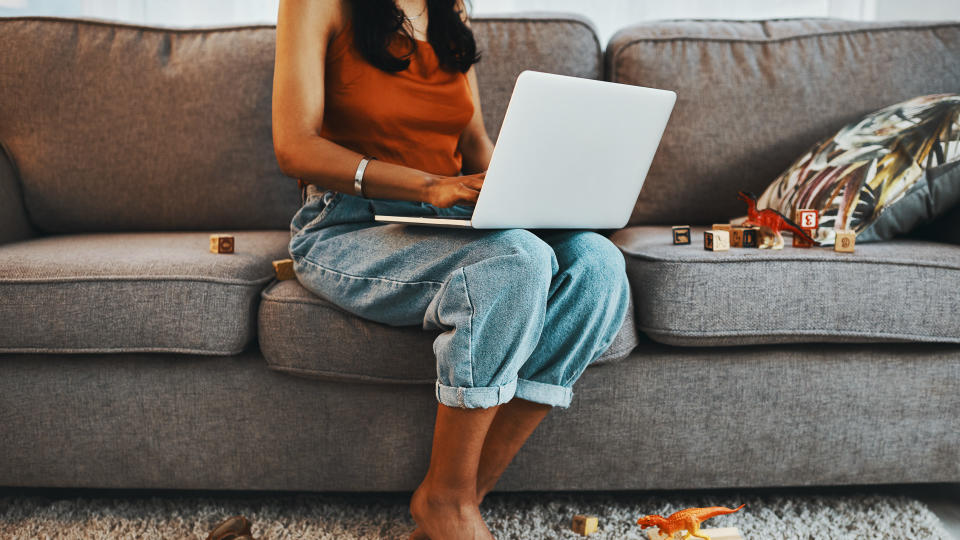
[{"x": 522, "y": 313}]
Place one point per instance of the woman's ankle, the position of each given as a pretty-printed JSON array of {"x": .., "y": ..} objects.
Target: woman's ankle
[
  {"x": 442, "y": 493},
  {"x": 482, "y": 490}
]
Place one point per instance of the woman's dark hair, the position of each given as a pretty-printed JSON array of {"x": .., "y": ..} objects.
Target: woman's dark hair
[{"x": 377, "y": 22}]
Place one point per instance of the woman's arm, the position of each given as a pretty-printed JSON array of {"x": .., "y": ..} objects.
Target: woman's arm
[
  {"x": 304, "y": 28},
  {"x": 475, "y": 145}
]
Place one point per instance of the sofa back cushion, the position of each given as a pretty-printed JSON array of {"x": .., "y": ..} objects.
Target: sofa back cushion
[
  {"x": 563, "y": 44},
  {"x": 121, "y": 127},
  {"x": 14, "y": 225},
  {"x": 117, "y": 127},
  {"x": 754, "y": 95}
]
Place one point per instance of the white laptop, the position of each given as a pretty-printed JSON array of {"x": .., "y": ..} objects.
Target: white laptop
[{"x": 572, "y": 154}]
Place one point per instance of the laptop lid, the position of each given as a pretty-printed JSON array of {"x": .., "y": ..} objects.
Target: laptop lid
[{"x": 572, "y": 153}]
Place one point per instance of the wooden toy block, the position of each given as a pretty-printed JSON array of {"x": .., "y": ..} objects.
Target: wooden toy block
[
  {"x": 722, "y": 533},
  {"x": 721, "y": 227},
  {"x": 736, "y": 236},
  {"x": 584, "y": 525},
  {"x": 221, "y": 243},
  {"x": 681, "y": 235},
  {"x": 808, "y": 218},
  {"x": 284, "y": 269},
  {"x": 751, "y": 237},
  {"x": 716, "y": 240},
  {"x": 845, "y": 241}
]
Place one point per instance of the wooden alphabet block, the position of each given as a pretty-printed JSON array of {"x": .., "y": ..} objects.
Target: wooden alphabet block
[
  {"x": 845, "y": 241},
  {"x": 736, "y": 236},
  {"x": 751, "y": 237},
  {"x": 681, "y": 235},
  {"x": 808, "y": 218},
  {"x": 722, "y": 533},
  {"x": 584, "y": 525},
  {"x": 716, "y": 240},
  {"x": 721, "y": 227},
  {"x": 284, "y": 269},
  {"x": 221, "y": 243}
]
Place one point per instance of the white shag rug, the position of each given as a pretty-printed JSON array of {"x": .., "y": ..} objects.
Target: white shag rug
[{"x": 525, "y": 516}]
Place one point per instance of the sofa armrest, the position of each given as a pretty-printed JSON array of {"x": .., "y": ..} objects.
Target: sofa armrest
[{"x": 14, "y": 224}]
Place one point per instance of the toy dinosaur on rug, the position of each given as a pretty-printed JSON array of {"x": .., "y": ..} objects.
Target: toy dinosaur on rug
[
  {"x": 771, "y": 223},
  {"x": 688, "y": 519}
]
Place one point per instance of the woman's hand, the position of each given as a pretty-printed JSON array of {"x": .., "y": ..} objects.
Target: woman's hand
[{"x": 446, "y": 191}]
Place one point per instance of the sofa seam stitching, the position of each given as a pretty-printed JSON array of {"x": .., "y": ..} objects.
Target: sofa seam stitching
[
  {"x": 618, "y": 51},
  {"x": 121, "y": 350},
  {"x": 76, "y": 279},
  {"x": 878, "y": 262},
  {"x": 834, "y": 33},
  {"x": 823, "y": 333}
]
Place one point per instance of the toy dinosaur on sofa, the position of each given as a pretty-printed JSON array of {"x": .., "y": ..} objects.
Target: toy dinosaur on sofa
[
  {"x": 688, "y": 519},
  {"x": 771, "y": 223}
]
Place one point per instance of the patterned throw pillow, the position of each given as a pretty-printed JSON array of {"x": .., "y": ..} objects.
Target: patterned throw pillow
[{"x": 856, "y": 176}]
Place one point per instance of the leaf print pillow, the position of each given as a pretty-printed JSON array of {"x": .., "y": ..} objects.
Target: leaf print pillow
[{"x": 879, "y": 176}]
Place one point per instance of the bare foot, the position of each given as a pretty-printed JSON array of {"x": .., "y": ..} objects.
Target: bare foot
[
  {"x": 446, "y": 517},
  {"x": 418, "y": 533}
]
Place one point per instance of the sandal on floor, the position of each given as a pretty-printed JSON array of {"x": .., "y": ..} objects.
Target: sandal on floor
[{"x": 234, "y": 528}]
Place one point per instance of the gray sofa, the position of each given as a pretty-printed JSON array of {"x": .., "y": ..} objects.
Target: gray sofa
[{"x": 131, "y": 357}]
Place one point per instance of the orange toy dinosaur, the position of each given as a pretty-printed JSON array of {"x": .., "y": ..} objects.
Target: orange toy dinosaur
[
  {"x": 771, "y": 222},
  {"x": 688, "y": 519}
]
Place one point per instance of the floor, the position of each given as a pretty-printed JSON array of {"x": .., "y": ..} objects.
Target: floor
[{"x": 942, "y": 498}]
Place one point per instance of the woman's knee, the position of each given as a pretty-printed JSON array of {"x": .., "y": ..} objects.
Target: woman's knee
[
  {"x": 523, "y": 257},
  {"x": 593, "y": 259}
]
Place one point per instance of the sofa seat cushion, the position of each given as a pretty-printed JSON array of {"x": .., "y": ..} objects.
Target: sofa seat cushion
[
  {"x": 902, "y": 290},
  {"x": 134, "y": 292},
  {"x": 303, "y": 334}
]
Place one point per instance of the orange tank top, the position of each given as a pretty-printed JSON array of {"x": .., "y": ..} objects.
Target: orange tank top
[{"x": 413, "y": 117}]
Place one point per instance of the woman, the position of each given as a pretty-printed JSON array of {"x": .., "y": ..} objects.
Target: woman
[{"x": 522, "y": 313}]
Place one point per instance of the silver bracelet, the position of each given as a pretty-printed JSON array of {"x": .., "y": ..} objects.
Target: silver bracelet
[{"x": 358, "y": 178}]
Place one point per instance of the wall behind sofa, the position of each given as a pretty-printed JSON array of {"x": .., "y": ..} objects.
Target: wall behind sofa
[{"x": 608, "y": 15}]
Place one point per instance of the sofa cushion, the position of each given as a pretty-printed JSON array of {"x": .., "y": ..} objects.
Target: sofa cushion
[
  {"x": 945, "y": 228},
  {"x": 902, "y": 290},
  {"x": 303, "y": 334},
  {"x": 754, "y": 95},
  {"x": 14, "y": 224},
  {"x": 564, "y": 44},
  {"x": 105, "y": 120},
  {"x": 133, "y": 292}
]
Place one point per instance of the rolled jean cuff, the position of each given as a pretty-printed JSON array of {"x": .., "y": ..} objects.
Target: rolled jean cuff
[
  {"x": 548, "y": 394},
  {"x": 475, "y": 398}
]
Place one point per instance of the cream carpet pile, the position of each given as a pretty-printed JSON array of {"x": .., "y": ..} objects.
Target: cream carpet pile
[{"x": 509, "y": 516}]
